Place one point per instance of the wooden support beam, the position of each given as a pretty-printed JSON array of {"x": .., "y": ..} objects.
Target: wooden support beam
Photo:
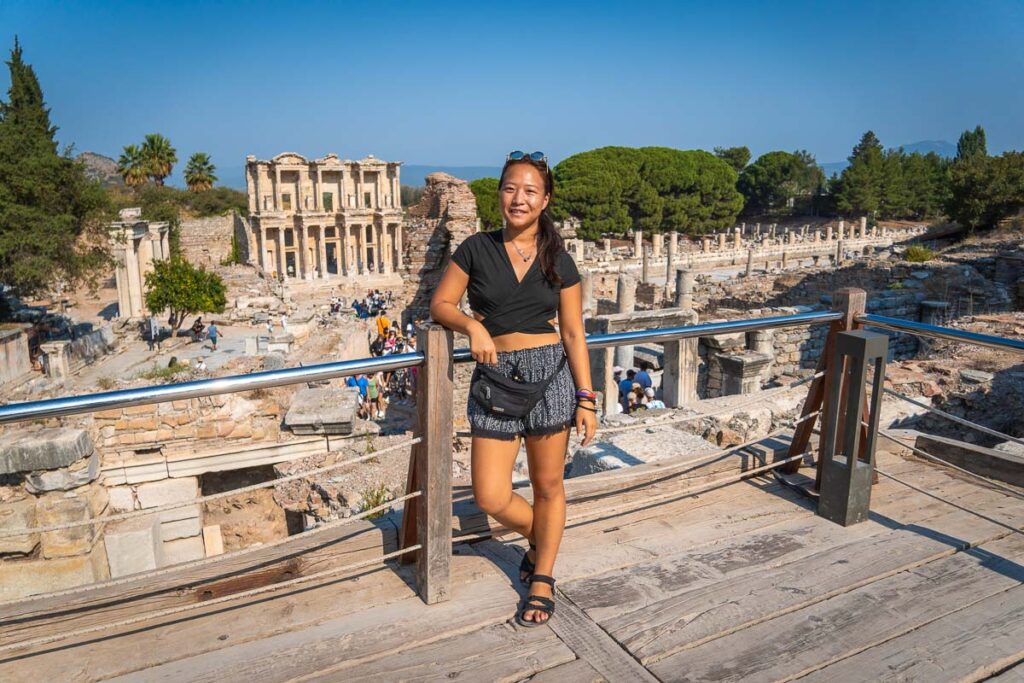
[{"x": 433, "y": 465}]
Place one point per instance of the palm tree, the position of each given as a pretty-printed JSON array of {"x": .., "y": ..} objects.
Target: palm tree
[
  {"x": 199, "y": 174},
  {"x": 160, "y": 157},
  {"x": 132, "y": 166}
]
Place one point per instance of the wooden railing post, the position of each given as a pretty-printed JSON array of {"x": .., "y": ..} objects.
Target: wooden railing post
[
  {"x": 430, "y": 468},
  {"x": 851, "y": 302}
]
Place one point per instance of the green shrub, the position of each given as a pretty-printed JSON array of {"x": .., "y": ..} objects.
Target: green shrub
[
  {"x": 162, "y": 373},
  {"x": 918, "y": 254},
  {"x": 372, "y": 497}
]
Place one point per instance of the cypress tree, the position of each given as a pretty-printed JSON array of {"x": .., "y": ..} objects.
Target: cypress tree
[{"x": 50, "y": 231}]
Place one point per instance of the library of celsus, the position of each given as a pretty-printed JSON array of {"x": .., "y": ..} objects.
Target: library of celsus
[{"x": 326, "y": 217}]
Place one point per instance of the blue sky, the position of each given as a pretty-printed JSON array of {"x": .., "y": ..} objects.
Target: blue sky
[{"x": 462, "y": 83}]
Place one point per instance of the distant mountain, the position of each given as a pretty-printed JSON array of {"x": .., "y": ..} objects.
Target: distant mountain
[
  {"x": 101, "y": 168},
  {"x": 414, "y": 176},
  {"x": 940, "y": 147}
]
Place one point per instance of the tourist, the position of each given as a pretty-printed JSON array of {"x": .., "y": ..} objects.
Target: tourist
[
  {"x": 652, "y": 402},
  {"x": 212, "y": 332},
  {"x": 637, "y": 398},
  {"x": 197, "y": 329},
  {"x": 284, "y": 323},
  {"x": 381, "y": 398},
  {"x": 409, "y": 330},
  {"x": 390, "y": 342},
  {"x": 525, "y": 259},
  {"x": 154, "y": 333},
  {"x": 200, "y": 364},
  {"x": 364, "y": 386},
  {"x": 377, "y": 346},
  {"x": 626, "y": 387},
  {"x": 642, "y": 377},
  {"x": 382, "y": 324},
  {"x": 270, "y": 326}
]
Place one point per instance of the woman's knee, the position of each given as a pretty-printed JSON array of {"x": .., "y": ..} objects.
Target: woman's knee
[
  {"x": 491, "y": 501},
  {"x": 548, "y": 487}
]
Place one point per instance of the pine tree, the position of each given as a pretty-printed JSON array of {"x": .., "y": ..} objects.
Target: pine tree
[
  {"x": 971, "y": 144},
  {"x": 50, "y": 228},
  {"x": 859, "y": 189}
]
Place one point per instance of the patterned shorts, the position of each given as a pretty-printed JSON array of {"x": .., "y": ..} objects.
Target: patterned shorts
[{"x": 553, "y": 413}]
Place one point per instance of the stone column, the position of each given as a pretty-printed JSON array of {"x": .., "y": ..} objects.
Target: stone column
[
  {"x": 579, "y": 251},
  {"x": 817, "y": 235},
  {"x": 323, "y": 246},
  {"x": 757, "y": 230},
  {"x": 684, "y": 289},
  {"x": 705, "y": 244},
  {"x": 279, "y": 251},
  {"x": 670, "y": 269},
  {"x": 344, "y": 265},
  {"x": 277, "y": 188},
  {"x": 135, "y": 302},
  {"x": 318, "y": 193},
  {"x": 863, "y": 227},
  {"x": 626, "y": 303},
  {"x": 785, "y": 258},
  {"x": 828, "y": 232},
  {"x": 638, "y": 240},
  {"x": 842, "y": 229},
  {"x": 361, "y": 248},
  {"x": 656, "y": 245},
  {"x": 673, "y": 243},
  {"x": 792, "y": 237},
  {"x": 839, "y": 252},
  {"x": 737, "y": 239},
  {"x": 607, "y": 247},
  {"x": 257, "y": 205},
  {"x": 721, "y": 241},
  {"x": 262, "y": 246},
  {"x": 742, "y": 371},
  {"x": 645, "y": 268},
  {"x": 750, "y": 262},
  {"x": 587, "y": 283},
  {"x": 299, "y": 206},
  {"x": 681, "y": 364},
  {"x": 399, "y": 256},
  {"x": 385, "y": 250},
  {"x": 772, "y": 230}
]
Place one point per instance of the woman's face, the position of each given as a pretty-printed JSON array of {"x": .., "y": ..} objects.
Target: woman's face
[{"x": 522, "y": 196}]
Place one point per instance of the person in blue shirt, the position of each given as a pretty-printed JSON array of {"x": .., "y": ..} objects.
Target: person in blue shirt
[
  {"x": 625, "y": 387},
  {"x": 642, "y": 377}
]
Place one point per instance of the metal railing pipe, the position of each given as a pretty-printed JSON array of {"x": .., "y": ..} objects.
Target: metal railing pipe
[
  {"x": 948, "y": 333},
  {"x": 126, "y": 398}
]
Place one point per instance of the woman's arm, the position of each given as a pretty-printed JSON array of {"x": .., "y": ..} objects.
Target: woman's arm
[
  {"x": 444, "y": 309},
  {"x": 574, "y": 339}
]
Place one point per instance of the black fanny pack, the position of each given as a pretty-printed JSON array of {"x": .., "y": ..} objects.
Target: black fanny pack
[{"x": 506, "y": 396}]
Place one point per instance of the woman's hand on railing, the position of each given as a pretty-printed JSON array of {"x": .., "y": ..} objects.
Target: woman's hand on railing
[
  {"x": 586, "y": 421},
  {"x": 481, "y": 346}
]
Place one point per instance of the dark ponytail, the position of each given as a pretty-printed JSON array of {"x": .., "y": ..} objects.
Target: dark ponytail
[{"x": 549, "y": 242}]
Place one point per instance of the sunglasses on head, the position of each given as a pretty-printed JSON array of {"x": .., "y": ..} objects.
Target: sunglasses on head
[{"x": 519, "y": 155}]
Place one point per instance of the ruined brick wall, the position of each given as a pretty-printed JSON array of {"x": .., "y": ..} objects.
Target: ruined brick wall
[
  {"x": 207, "y": 241},
  {"x": 444, "y": 216}
]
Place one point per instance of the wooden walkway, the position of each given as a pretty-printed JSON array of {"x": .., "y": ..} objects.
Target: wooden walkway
[{"x": 742, "y": 582}]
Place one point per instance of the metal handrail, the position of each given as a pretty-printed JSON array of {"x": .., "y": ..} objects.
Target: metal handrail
[
  {"x": 126, "y": 398},
  {"x": 948, "y": 333}
]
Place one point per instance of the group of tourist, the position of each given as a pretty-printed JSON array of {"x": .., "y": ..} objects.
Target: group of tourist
[
  {"x": 636, "y": 390},
  {"x": 376, "y": 391},
  {"x": 374, "y": 303}
]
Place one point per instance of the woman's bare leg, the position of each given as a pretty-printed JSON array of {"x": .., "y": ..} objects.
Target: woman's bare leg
[
  {"x": 491, "y": 467},
  {"x": 546, "y": 456}
]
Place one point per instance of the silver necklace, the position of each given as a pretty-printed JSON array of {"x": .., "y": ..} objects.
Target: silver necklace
[{"x": 521, "y": 253}]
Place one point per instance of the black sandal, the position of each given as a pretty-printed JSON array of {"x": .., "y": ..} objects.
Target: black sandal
[
  {"x": 527, "y": 566},
  {"x": 537, "y": 603}
]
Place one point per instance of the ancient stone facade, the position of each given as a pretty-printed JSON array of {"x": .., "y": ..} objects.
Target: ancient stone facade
[
  {"x": 324, "y": 218},
  {"x": 136, "y": 244},
  {"x": 208, "y": 241},
  {"x": 444, "y": 216}
]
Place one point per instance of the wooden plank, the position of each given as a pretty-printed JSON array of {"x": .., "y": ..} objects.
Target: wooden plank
[
  {"x": 576, "y": 671},
  {"x": 496, "y": 653},
  {"x": 577, "y": 630},
  {"x": 300, "y": 555},
  {"x": 800, "y": 642},
  {"x": 693, "y": 617},
  {"x": 971, "y": 644},
  {"x": 271, "y": 639},
  {"x": 1012, "y": 675},
  {"x": 434, "y": 466}
]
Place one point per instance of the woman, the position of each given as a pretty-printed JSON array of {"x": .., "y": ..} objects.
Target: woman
[{"x": 518, "y": 280}]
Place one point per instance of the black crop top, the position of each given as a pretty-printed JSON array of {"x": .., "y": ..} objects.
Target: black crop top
[{"x": 494, "y": 292}]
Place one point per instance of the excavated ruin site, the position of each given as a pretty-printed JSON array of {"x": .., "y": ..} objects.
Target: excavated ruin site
[{"x": 67, "y": 470}]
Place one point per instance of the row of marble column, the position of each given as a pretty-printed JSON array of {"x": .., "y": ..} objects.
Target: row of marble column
[
  {"x": 298, "y": 204},
  {"x": 350, "y": 250}
]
